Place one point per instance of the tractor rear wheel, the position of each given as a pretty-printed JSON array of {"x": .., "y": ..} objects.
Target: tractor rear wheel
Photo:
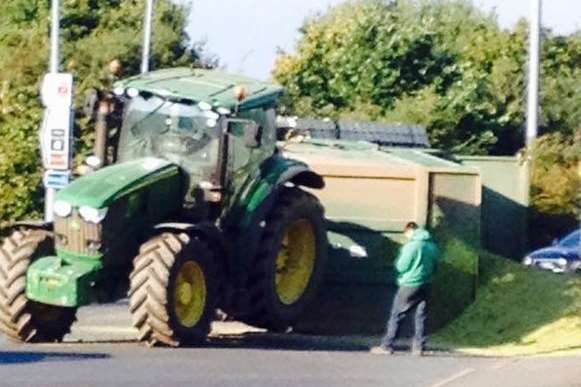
[
  {"x": 21, "y": 319},
  {"x": 173, "y": 290},
  {"x": 289, "y": 266}
]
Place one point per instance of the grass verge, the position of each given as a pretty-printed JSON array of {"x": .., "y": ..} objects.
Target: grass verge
[{"x": 518, "y": 311}]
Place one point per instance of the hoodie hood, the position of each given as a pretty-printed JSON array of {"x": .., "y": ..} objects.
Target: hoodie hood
[{"x": 421, "y": 234}]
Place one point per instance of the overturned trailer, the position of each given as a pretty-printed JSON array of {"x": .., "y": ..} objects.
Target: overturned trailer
[{"x": 372, "y": 191}]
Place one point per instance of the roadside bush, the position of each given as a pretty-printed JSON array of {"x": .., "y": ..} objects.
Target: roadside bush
[
  {"x": 555, "y": 186},
  {"x": 444, "y": 64}
]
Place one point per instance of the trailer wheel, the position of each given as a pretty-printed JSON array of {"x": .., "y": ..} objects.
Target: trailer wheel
[
  {"x": 173, "y": 290},
  {"x": 290, "y": 263},
  {"x": 21, "y": 319}
]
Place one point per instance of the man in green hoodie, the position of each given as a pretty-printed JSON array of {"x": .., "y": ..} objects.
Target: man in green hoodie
[{"x": 415, "y": 266}]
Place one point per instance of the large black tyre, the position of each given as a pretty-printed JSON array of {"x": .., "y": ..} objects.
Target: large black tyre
[
  {"x": 173, "y": 290},
  {"x": 21, "y": 319},
  {"x": 289, "y": 266}
]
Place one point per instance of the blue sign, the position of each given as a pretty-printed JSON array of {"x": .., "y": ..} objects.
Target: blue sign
[{"x": 56, "y": 179}]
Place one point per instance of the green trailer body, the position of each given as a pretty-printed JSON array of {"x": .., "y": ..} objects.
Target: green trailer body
[{"x": 371, "y": 192}]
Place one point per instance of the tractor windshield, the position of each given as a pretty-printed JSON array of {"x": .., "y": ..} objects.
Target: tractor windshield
[{"x": 179, "y": 132}]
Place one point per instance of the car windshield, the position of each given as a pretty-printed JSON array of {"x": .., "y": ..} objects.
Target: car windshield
[
  {"x": 571, "y": 240},
  {"x": 179, "y": 132}
]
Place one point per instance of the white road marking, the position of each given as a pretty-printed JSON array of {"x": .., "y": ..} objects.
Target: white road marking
[{"x": 454, "y": 377}]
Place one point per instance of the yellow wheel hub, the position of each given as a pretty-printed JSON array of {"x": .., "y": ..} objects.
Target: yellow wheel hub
[
  {"x": 295, "y": 261},
  {"x": 190, "y": 294}
]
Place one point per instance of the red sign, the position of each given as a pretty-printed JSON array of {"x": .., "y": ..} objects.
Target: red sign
[{"x": 57, "y": 90}]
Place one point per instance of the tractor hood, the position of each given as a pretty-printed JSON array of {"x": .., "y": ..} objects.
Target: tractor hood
[{"x": 100, "y": 188}]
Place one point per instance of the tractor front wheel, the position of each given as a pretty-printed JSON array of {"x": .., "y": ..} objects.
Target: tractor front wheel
[
  {"x": 21, "y": 319},
  {"x": 173, "y": 290}
]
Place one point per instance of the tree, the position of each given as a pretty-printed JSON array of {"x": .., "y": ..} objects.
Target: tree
[
  {"x": 94, "y": 32},
  {"x": 556, "y": 178},
  {"x": 442, "y": 63}
]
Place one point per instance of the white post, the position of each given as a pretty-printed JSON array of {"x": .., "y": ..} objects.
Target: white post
[
  {"x": 49, "y": 193},
  {"x": 54, "y": 37},
  {"x": 147, "y": 36},
  {"x": 533, "y": 73}
]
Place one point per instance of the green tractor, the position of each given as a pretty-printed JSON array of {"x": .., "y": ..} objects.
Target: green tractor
[{"x": 198, "y": 211}]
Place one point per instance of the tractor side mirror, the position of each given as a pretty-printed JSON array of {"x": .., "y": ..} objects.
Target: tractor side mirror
[{"x": 248, "y": 129}]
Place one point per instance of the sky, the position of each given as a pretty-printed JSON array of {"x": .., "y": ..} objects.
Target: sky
[{"x": 246, "y": 34}]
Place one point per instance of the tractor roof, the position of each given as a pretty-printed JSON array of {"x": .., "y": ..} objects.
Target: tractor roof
[{"x": 212, "y": 86}]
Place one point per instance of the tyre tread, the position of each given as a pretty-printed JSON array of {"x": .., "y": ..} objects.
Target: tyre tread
[
  {"x": 149, "y": 298},
  {"x": 20, "y": 318}
]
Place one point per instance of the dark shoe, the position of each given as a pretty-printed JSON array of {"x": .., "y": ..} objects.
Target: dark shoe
[{"x": 381, "y": 350}]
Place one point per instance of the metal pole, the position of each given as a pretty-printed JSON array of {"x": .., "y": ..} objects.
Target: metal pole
[
  {"x": 533, "y": 103},
  {"x": 50, "y": 193},
  {"x": 54, "y": 37},
  {"x": 147, "y": 36},
  {"x": 534, "y": 60}
]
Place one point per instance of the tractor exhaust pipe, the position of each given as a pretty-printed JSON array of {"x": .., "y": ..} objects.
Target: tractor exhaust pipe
[{"x": 100, "y": 146}]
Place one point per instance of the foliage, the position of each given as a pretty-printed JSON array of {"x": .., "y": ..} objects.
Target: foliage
[
  {"x": 94, "y": 32},
  {"x": 518, "y": 311},
  {"x": 454, "y": 284},
  {"x": 440, "y": 63},
  {"x": 556, "y": 179}
]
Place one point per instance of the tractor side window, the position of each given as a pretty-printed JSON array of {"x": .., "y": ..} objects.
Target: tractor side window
[
  {"x": 265, "y": 118},
  {"x": 269, "y": 128},
  {"x": 237, "y": 129}
]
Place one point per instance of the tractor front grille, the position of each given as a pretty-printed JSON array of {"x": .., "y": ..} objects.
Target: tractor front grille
[{"x": 78, "y": 236}]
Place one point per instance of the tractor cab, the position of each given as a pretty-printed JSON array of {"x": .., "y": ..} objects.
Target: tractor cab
[{"x": 216, "y": 127}]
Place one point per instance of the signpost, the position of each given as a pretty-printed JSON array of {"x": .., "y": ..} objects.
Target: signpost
[
  {"x": 55, "y": 131},
  {"x": 55, "y": 137}
]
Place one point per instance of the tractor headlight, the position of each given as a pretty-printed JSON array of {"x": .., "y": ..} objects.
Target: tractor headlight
[
  {"x": 62, "y": 209},
  {"x": 132, "y": 92},
  {"x": 119, "y": 91},
  {"x": 93, "y": 215}
]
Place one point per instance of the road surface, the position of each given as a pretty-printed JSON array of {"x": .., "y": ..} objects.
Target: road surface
[{"x": 237, "y": 356}]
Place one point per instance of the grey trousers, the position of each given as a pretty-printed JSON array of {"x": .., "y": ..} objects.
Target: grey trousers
[{"x": 407, "y": 299}]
